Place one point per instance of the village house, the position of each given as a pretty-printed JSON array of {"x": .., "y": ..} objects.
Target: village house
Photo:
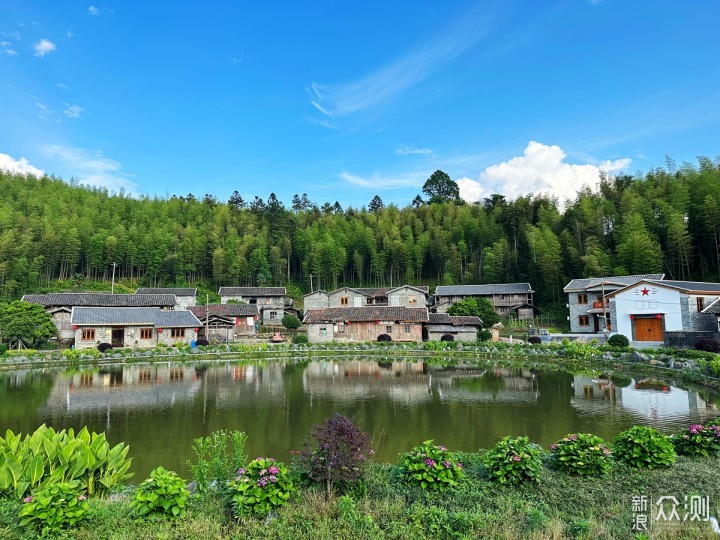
[
  {"x": 653, "y": 310},
  {"x": 226, "y": 322},
  {"x": 404, "y": 295},
  {"x": 270, "y": 301},
  {"x": 131, "y": 327},
  {"x": 444, "y": 327},
  {"x": 506, "y": 298},
  {"x": 585, "y": 300},
  {"x": 59, "y": 306},
  {"x": 184, "y": 297},
  {"x": 371, "y": 323}
]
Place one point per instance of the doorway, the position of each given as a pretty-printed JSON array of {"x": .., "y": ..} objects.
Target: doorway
[
  {"x": 118, "y": 337},
  {"x": 648, "y": 329}
]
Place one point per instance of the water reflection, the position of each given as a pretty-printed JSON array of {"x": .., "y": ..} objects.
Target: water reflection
[{"x": 160, "y": 408}]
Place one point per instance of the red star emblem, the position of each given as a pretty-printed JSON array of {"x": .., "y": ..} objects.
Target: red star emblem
[{"x": 645, "y": 291}]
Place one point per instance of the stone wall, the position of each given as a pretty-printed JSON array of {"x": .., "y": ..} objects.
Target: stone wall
[{"x": 687, "y": 340}]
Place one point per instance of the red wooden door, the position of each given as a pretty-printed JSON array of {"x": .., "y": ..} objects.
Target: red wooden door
[{"x": 648, "y": 330}]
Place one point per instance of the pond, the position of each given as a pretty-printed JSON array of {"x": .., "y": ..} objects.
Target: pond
[{"x": 159, "y": 408}]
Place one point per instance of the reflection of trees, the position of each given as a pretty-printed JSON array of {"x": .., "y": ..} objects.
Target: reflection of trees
[{"x": 23, "y": 393}]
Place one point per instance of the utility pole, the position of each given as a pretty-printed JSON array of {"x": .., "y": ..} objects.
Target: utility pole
[
  {"x": 311, "y": 283},
  {"x": 112, "y": 287},
  {"x": 207, "y": 320}
]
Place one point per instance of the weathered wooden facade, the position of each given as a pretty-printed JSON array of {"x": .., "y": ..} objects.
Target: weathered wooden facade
[
  {"x": 506, "y": 298},
  {"x": 132, "y": 327},
  {"x": 226, "y": 322},
  {"x": 405, "y": 295},
  {"x": 372, "y": 323},
  {"x": 270, "y": 301}
]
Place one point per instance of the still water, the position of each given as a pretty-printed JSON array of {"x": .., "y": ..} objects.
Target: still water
[{"x": 158, "y": 409}]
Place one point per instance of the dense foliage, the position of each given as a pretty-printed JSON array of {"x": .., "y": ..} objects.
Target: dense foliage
[
  {"x": 29, "y": 323},
  {"x": 432, "y": 467},
  {"x": 581, "y": 453},
  {"x": 163, "y": 494},
  {"x": 698, "y": 440},
  {"x": 262, "y": 486},
  {"x": 618, "y": 340},
  {"x": 666, "y": 220},
  {"x": 217, "y": 456},
  {"x": 513, "y": 461},
  {"x": 53, "y": 507},
  {"x": 644, "y": 447},
  {"x": 478, "y": 307}
]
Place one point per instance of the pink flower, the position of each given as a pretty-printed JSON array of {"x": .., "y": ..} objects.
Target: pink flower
[
  {"x": 516, "y": 458},
  {"x": 443, "y": 448},
  {"x": 459, "y": 465},
  {"x": 430, "y": 462},
  {"x": 28, "y": 499},
  {"x": 553, "y": 447},
  {"x": 273, "y": 469},
  {"x": 695, "y": 429},
  {"x": 82, "y": 497}
]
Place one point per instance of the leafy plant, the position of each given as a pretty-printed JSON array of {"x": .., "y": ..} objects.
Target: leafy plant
[
  {"x": 162, "y": 494},
  {"x": 484, "y": 335},
  {"x": 715, "y": 366},
  {"x": 217, "y": 457},
  {"x": 48, "y": 457},
  {"x": 54, "y": 507},
  {"x": 513, "y": 461},
  {"x": 261, "y": 487},
  {"x": 644, "y": 447},
  {"x": 339, "y": 455},
  {"x": 618, "y": 340},
  {"x": 581, "y": 453},
  {"x": 697, "y": 440},
  {"x": 300, "y": 339},
  {"x": 431, "y": 467}
]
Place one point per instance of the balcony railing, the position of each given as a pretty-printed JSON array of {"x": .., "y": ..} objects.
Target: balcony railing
[{"x": 599, "y": 305}]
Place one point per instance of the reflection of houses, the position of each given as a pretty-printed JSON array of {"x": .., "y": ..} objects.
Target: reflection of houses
[
  {"x": 498, "y": 385},
  {"x": 59, "y": 305},
  {"x": 132, "y": 327},
  {"x": 270, "y": 301},
  {"x": 648, "y": 309},
  {"x": 585, "y": 300},
  {"x": 444, "y": 327},
  {"x": 185, "y": 297},
  {"x": 405, "y": 295},
  {"x": 506, "y": 298},
  {"x": 226, "y": 322},
  {"x": 370, "y": 323}
]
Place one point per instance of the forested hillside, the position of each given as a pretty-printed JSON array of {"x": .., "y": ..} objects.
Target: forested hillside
[{"x": 665, "y": 221}]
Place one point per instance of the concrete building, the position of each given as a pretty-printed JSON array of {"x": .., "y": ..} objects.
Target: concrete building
[
  {"x": 372, "y": 323},
  {"x": 506, "y": 298},
  {"x": 444, "y": 327},
  {"x": 270, "y": 301}
]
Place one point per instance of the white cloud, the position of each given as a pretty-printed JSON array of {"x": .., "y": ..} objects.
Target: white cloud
[
  {"x": 18, "y": 166},
  {"x": 5, "y": 43},
  {"x": 46, "y": 113},
  {"x": 10, "y": 52},
  {"x": 72, "y": 111},
  {"x": 541, "y": 169},
  {"x": 403, "y": 150},
  {"x": 91, "y": 167},
  {"x": 69, "y": 34},
  {"x": 92, "y": 10},
  {"x": 61, "y": 86},
  {"x": 384, "y": 182},
  {"x": 43, "y": 47}
]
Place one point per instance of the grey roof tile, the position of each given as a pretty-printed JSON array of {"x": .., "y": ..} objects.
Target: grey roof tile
[
  {"x": 177, "y": 291},
  {"x": 159, "y": 318},
  {"x": 369, "y": 313},
  {"x": 588, "y": 283},
  {"x": 226, "y": 310},
  {"x": 252, "y": 291},
  {"x": 101, "y": 300},
  {"x": 481, "y": 290}
]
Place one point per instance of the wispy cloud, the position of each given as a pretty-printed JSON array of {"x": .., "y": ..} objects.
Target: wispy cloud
[
  {"x": 388, "y": 83},
  {"x": 376, "y": 181},
  {"x": 62, "y": 86},
  {"x": 91, "y": 167},
  {"x": 92, "y": 10},
  {"x": 19, "y": 166},
  {"x": 46, "y": 113},
  {"x": 72, "y": 111},
  {"x": 10, "y": 52},
  {"x": 43, "y": 47},
  {"x": 403, "y": 150}
]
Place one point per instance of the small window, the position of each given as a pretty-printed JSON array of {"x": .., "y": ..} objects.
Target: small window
[
  {"x": 584, "y": 320},
  {"x": 582, "y": 299},
  {"x": 323, "y": 331},
  {"x": 273, "y": 315},
  {"x": 146, "y": 333},
  {"x": 700, "y": 303},
  {"x": 177, "y": 333},
  {"x": 406, "y": 328},
  {"x": 412, "y": 300},
  {"x": 388, "y": 329},
  {"x": 341, "y": 328},
  {"x": 88, "y": 334},
  {"x": 343, "y": 300}
]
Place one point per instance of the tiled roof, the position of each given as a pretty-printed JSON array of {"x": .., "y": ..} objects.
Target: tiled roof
[
  {"x": 159, "y": 318},
  {"x": 225, "y": 310},
  {"x": 252, "y": 291},
  {"x": 713, "y": 308},
  {"x": 101, "y": 300},
  {"x": 177, "y": 291},
  {"x": 370, "y": 313},
  {"x": 588, "y": 283},
  {"x": 691, "y": 286},
  {"x": 481, "y": 290},
  {"x": 455, "y": 320}
]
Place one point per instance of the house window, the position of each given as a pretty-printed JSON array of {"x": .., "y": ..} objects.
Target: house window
[
  {"x": 582, "y": 299},
  {"x": 412, "y": 300},
  {"x": 700, "y": 303},
  {"x": 341, "y": 328},
  {"x": 273, "y": 315},
  {"x": 323, "y": 331},
  {"x": 177, "y": 333},
  {"x": 584, "y": 320},
  {"x": 88, "y": 334},
  {"x": 343, "y": 300},
  {"x": 146, "y": 333},
  {"x": 388, "y": 329},
  {"x": 406, "y": 328}
]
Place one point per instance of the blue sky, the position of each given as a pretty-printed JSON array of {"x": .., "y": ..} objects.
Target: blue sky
[{"x": 345, "y": 102}]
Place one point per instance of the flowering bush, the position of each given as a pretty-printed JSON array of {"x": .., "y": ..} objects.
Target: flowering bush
[
  {"x": 162, "y": 494},
  {"x": 644, "y": 447},
  {"x": 431, "y": 467},
  {"x": 341, "y": 453},
  {"x": 53, "y": 507},
  {"x": 698, "y": 440},
  {"x": 581, "y": 453},
  {"x": 513, "y": 461},
  {"x": 264, "y": 485}
]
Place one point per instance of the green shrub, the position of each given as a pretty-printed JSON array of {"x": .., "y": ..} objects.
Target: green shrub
[
  {"x": 513, "y": 461},
  {"x": 163, "y": 494},
  {"x": 263, "y": 486},
  {"x": 715, "y": 367},
  {"x": 697, "y": 440},
  {"x": 47, "y": 457},
  {"x": 218, "y": 456},
  {"x": 54, "y": 507},
  {"x": 3, "y": 348},
  {"x": 644, "y": 447},
  {"x": 300, "y": 339},
  {"x": 484, "y": 335},
  {"x": 618, "y": 340},
  {"x": 431, "y": 467},
  {"x": 581, "y": 453}
]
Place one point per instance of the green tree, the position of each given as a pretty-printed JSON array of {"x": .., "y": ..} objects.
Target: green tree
[
  {"x": 440, "y": 188},
  {"x": 291, "y": 322},
  {"x": 376, "y": 204},
  {"x": 29, "y": 323},
  {"x": 479, "y": 307}
]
